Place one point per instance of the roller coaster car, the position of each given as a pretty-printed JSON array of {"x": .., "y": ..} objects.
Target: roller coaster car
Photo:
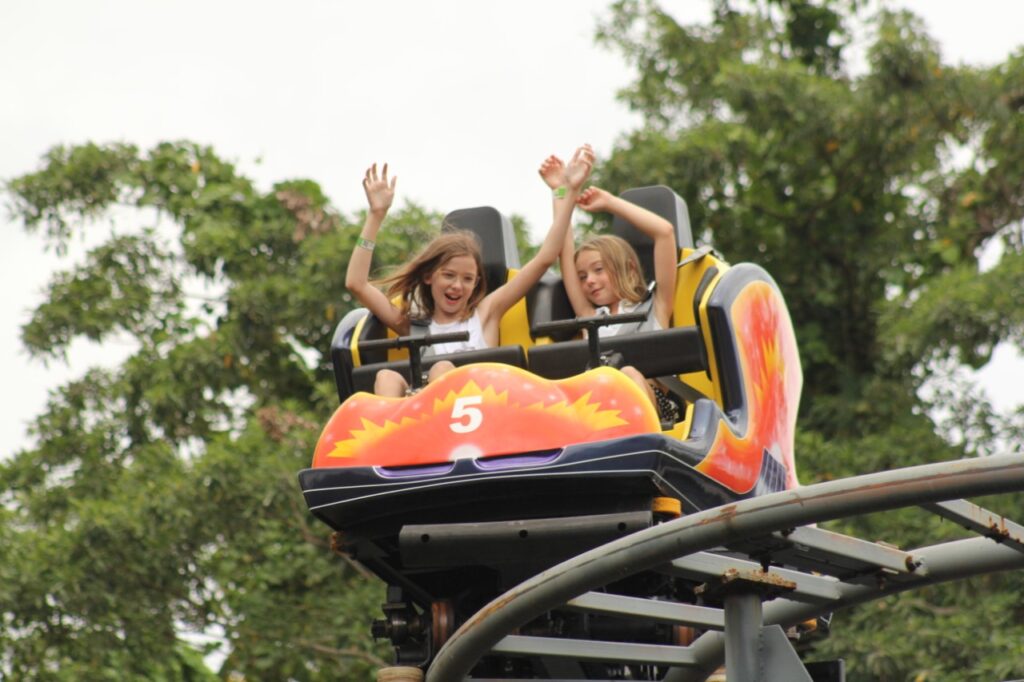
[{"x": 539, "y": 449}]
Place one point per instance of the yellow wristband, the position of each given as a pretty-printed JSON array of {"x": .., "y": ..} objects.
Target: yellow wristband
[{"x": 559, "y": 192}]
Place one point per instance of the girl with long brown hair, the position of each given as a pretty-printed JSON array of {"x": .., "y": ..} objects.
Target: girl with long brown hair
[{"x": 444, "y": 282}]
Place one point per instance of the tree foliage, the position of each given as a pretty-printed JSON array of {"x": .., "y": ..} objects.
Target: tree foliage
[{"x": 876, "y": 195}]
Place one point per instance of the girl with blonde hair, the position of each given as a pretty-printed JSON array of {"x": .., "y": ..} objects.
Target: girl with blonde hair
[{"x": 603, "y": 275}]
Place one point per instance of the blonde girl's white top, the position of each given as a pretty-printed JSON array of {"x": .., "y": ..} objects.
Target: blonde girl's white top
[{"x": 650, "y": 324}]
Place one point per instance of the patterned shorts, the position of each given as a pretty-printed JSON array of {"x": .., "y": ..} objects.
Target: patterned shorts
[{"x": 668, "y": 409}]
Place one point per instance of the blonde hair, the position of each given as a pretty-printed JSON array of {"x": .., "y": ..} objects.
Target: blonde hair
[
  {"x": 408, "y": 282},
  {"x": 624, "y": 271}
]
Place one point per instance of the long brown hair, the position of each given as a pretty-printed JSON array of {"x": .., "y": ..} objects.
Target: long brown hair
[
  {"x": 623, "y": 265},
  {"x": 408, "y": 282}
]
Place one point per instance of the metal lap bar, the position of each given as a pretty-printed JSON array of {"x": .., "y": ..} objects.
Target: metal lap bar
[
  {"x": 981, "y": 521},
  {"x": 662, "y": 611},
  {"x": 812, "y": 589},
  {"x": 590, "y": 650}
]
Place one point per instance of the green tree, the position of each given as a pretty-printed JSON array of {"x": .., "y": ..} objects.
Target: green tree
[
  {"x": 871, "y": 197},
  {"x": 161, "y": 496}
]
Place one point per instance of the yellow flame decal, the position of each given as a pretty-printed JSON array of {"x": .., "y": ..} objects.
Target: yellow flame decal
[
  {"x": 588, "y": 413},
  {"x": 489, "y": 395},
  {"x": 611, "y": 407}
]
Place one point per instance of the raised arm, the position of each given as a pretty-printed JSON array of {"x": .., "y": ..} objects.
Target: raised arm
[
  {"x": 379, "y": 194},
  {"x": 563, "y": 201},
  {"x": 666, "y": 251},
  {"x": 552, "y": 171}
]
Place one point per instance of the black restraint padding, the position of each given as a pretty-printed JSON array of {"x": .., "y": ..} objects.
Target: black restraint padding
[
  {"x": 658, "y": 353},
  {"x": 363, "y": 376}
]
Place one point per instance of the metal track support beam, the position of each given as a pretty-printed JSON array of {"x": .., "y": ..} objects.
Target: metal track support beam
[
  {"x": 698, "y": 532},
  {"x": 742, "y": 637}
]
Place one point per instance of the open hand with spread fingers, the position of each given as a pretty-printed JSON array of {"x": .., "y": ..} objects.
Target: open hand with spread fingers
[
  {"x": 379, "y": 191},
  {"x": 579, "y": 167}
]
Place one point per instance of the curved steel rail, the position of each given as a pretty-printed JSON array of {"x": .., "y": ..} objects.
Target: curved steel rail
[{"x": 658, "y": 545}]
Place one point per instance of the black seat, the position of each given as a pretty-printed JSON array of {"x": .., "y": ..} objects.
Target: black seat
[
  {"x": 547, "y": 301},
  {"x": 497, "y": 240},
  {"x": 662, "y": 201}
]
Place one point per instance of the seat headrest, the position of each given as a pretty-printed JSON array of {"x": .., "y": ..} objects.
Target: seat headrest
[
  {"x": 497, "y": 240},
  {"x": 664, "y": 202}
]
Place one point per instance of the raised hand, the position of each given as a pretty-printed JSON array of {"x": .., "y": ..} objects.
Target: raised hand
[
  {"x": 552, "y": 171},
  {"x": 594, "y": 199},
  {"x": 379, "y": 192},
  {"x": 580, "y": 165}
]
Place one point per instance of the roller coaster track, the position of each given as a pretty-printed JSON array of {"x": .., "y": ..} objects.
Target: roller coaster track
[{"x": 770, "y": 569}]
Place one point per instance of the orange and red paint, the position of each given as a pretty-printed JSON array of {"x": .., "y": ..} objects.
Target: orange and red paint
[
  {"x": 484, "y": 410},
  {"x": 772, "y": 378}
]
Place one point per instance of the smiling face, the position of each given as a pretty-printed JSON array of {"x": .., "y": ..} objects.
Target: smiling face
[
  {"x": 609, "y": 271},
  {"x": 595, "y": 278},
  {"x": 451, "y": 287}
]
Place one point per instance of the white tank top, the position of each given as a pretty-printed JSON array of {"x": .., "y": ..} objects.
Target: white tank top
[
  {"x": 472, "y": 325},
  {"x": 650, "y": 324}
]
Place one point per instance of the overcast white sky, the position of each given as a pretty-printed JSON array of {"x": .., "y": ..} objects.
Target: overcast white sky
[{"x": 463, "y": 99}]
